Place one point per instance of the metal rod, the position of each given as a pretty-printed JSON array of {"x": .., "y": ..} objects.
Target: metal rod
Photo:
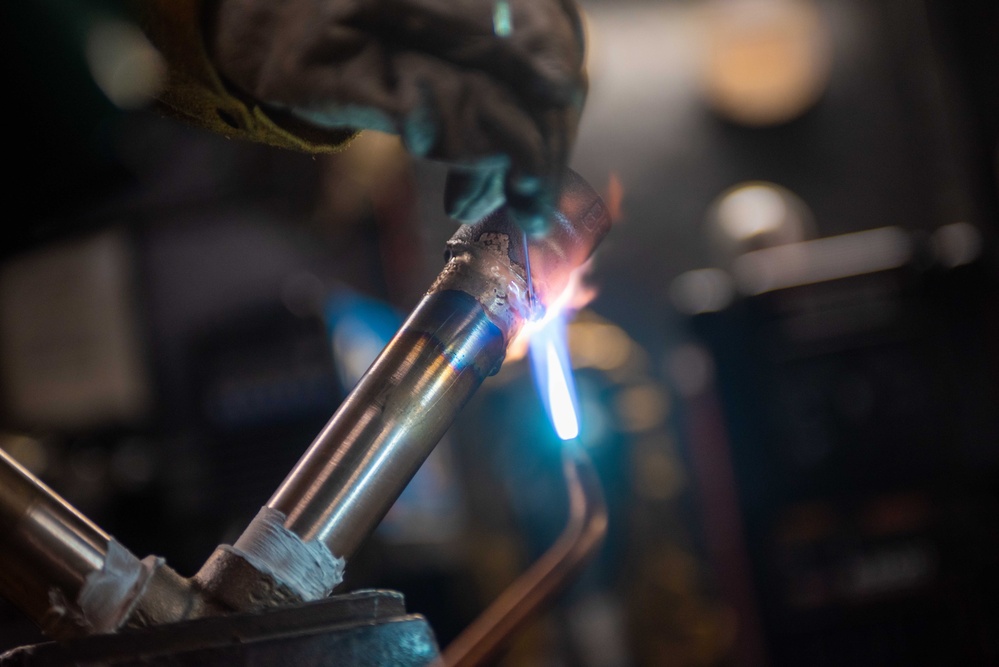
[
  {"x": 527, "y": 274},
  {"x": 532, "y": 591},
  {"x": 70, "y": 577}
]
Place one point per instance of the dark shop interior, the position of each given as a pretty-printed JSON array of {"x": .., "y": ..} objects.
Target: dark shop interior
[{"x": 596, "y": 333}]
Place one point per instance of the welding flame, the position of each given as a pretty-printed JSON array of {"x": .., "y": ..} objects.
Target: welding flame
[
  {"x": 561, "y": 405},
  {"x": 576, "y": 295},
  {"x": 547, "y": 342},
  {"x": 549, "y": 350}
]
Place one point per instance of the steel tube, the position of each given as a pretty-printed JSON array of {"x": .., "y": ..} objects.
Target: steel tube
[
  {"x": 47, "y": 548},
  {"x": 389, "y": 424},
  {"x": 362, "y": 460},
  {"x": 72, "y": 578}
]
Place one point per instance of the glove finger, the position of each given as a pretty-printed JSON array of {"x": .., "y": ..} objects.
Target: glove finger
[
  {"x": 531, "y": 200},
  {"x": 471, "y": 194},
  {"x": 481, "y": 116}
]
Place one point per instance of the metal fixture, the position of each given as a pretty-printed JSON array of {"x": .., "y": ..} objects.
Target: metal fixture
[
  {"x": 73, "y": 579},
  {"x": 399, "y": 410}
]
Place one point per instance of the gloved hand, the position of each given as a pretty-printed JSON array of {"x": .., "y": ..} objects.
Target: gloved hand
[{"x": 493, "y": 87}]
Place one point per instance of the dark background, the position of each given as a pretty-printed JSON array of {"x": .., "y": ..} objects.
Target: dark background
[{"x": 805, "y": 475}]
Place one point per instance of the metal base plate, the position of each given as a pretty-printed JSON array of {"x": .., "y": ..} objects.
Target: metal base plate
[{"x": 362, "y": 629}]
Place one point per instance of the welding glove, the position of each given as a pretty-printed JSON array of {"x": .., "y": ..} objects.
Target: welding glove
[{"x": 494, "y": 88}]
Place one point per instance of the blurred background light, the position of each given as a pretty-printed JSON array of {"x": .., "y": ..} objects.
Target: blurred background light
[
  {"x": 26, "y": 450},
  {"x": 598, "y": 345},
  {"x": 956, "y": 244},
  {"x": 752, "y": 210},
  {"x": 125, "y": 66},
  {"x": 642, "y": 407},
  {"x": 767, "y": 61},
  {"x": 702, "y": 291},
  {"x": 360, "y": 328},
  {"x": 754, "y": 215},
  {"x": 691, "y": 368},
  {"x": 821, "y": 260}
]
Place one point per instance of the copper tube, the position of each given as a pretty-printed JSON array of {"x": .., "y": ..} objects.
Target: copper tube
[{"x": 532, "y": 591}]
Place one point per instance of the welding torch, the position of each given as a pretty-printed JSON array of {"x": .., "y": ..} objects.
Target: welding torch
[{"x": 74, "y": 579}]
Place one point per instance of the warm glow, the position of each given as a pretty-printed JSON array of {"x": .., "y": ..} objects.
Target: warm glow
[
  {"x": 546, "y": 340},
  {"x": 615, "y": 198},
  {"x": 577, "y": 295},
  {"x": 751, "y": 211},
  {"x": 768, "y": 61}
]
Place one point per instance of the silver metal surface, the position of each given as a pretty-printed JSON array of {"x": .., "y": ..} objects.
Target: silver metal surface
[
  {"x": 47, "y": 548},
  {"x": 365, "y": 456},
  {"x": 72, "y": 578},
  {"x": 531, "y": 299},
  {"x": 381, "y": 435}
]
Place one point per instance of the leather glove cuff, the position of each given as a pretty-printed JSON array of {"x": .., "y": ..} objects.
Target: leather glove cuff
[{"x": 195, "y": 92}]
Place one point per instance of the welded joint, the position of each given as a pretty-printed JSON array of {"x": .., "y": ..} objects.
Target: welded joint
[
  {"x": 306, "y": 568},
  {"x": 485, "y": 267},
  {"x": 106, "y": 598}
]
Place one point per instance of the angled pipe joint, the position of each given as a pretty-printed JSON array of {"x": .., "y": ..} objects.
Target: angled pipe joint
[
  {"x": 364, "y": 457},
  {"x": 73, "y": 579}
]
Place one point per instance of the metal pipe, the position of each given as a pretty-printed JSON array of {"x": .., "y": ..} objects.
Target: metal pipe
[
  {"x": 532, "y": 591},
  {"x": 389, "y": 424},
  {"x": 45, "y": 544},
  {"x": 454, "y": 339},
  {"x": 64, "y": 572},
  {"x": 362, "y": 460},
  {"x": 72, "y": 578}
]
